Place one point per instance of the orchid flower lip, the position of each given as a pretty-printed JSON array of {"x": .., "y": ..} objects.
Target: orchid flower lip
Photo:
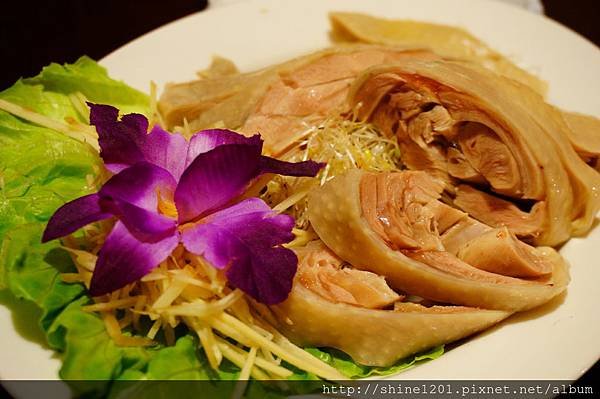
[{"x": 166, "y": 191}]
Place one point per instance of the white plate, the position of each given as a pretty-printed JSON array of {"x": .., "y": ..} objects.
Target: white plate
[{"x": 557, "y": 344}]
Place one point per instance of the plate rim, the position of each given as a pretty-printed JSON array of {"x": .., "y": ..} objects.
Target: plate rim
[{"x": 114, "y": 55}]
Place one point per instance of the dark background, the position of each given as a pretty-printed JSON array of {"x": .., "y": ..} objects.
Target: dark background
[{"x": 35, "y": 33}]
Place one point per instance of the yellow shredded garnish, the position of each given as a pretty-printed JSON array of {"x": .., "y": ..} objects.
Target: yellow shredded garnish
[
  {"x": 186, "y": 289},
  {"x": 112, "y": 305},
  {"x": 343, "y": 144},
  {"x": 114, "y": 331},
  {"x": 154, "y": 329},
  {"x": 79, "y": 103}
]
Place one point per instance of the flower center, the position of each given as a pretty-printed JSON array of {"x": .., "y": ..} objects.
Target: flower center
[{"x": 166, "y": 205}]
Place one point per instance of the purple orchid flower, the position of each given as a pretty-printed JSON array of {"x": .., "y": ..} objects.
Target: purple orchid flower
[{"x": 167, "y": 190}]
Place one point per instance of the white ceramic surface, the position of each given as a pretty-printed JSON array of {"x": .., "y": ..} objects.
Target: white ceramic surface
[{"x": 557, "y": 344}]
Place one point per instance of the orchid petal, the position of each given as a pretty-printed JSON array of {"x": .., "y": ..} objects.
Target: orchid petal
[
  {"x": 119, "y": 141},
  {"x": 132, "y": 195},
  {"x": 305, "y": 168},
  {"x": 206, "y": 140},
  {"x": 74, "y": 215},
  {"x": 246, "y": 238},
  {"x": 139, "y": 185},
  {"x": 145, "y": 225},
  {"x": 136, "y": 123},
  {"x": 167, "y": 150},
  {"x": 216, "y": 177},
  {"x": 220, "y": 255},
  {"x": 266, "y": 276},
  {"x": 126, "y": 142},
  {"x": 123, "y": 259},
  {"x": 102, "y": 113}
]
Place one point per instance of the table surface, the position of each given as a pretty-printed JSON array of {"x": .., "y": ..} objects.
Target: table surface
[{"x": 33, "y": 34}]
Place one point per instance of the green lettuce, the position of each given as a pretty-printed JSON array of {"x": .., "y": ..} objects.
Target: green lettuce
[
  {"x": 89, "y": 78},
  {"x": 350, "y": 369},
  {"x": 40, "y": 170}
]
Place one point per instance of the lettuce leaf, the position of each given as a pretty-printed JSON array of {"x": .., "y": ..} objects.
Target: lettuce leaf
[
  {"x": 32, "y": 272},
  {"x": 350, "y": 369},
  {"x": 90, "y": 357},
  {"x": 91, "y": 79},
  {"x": 35, "y": 97},
  {"x": 40, "y": 170}
]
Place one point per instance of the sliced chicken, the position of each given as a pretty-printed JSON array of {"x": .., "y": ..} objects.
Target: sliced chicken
[
  {"x": 317, "y": 315},
  {"x": 398, "y": 209},
  {"x": 462, "y": 232},
  {"x": 499, "y": 251},
  {"x": 486, "y": 143},
  {"x": 279, "y": 102},
  {"x": 465, "y": 124},
  {"x": 351, "y": 214},
  {"x": 320, "y": 270},
  {"x": 457, "y": 120},
  {"x": 584, "y": 134},
  {"x": 460, "y": 167},
  {"x": 447, "y": 41},
  {"x": 489, "y": 156},
  {"x": 500, "y": 212}
]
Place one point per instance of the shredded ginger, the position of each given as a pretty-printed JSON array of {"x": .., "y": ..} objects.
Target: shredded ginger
[{"x": 185, "y": 289}]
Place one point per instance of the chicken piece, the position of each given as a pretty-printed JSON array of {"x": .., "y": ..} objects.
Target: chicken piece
[
  {"x": 584, "y": 134},
  {"x": 452, "y": 265},
  {"x": 419, "y": 150},
  {"x": 204, "y": 103},
  {"x": 460, "y": 167},
  {"x": 409, "y": 200},
  {"x": 396, "y": 206},
  {"x": 320, "y": 98},
  {"x": 497, "y": 212},
  {"x": 491, "y": 158},
  {"x": 448, "y": 41},
  {"x": 278, "y": 102},
  {"x": 444, "y": 216},
  {"x": 462, "y": 232},
  {"x": 499, "y": 251},
  {"x": 477, "y": 127},
  {"x": 341, "y": 212},
  {"x": 377, "y": 337},
  {"x": 494, "y": 250},
  {"x": 321, "y": 271},
  {"x": 316, "y": 315}
]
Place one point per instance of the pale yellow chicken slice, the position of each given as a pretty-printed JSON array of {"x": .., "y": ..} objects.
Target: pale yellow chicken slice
[
  {"x": 385, "y": 223},
  {"x": 336, "y": 307},
  {"x": 464, "y": 124}
]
